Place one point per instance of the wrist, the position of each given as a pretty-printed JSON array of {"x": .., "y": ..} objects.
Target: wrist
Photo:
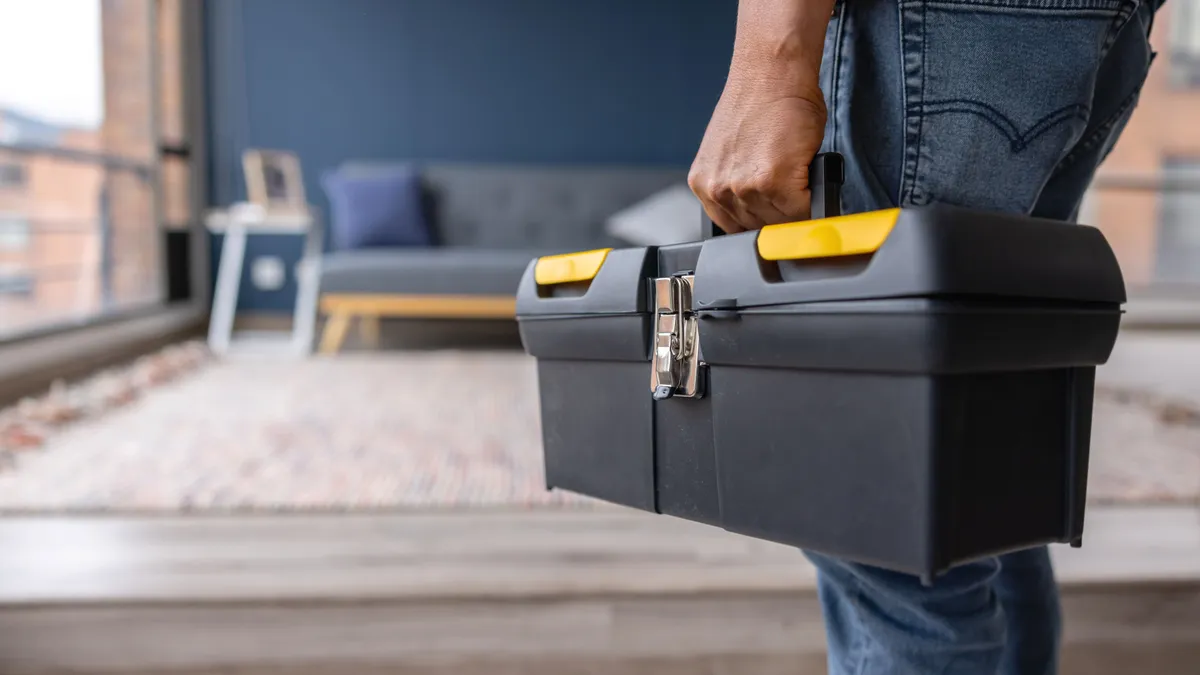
[
  {"x": 781, "y": 41},
  {"x": 784, "y": 65}
]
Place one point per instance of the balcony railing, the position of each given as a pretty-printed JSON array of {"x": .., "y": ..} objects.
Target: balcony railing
[
  {"x": 71, "y": 272},
  {"x": 1152, "y": 222}
]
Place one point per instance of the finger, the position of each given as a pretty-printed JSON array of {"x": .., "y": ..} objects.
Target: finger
[
  {"x": 762, "y": 208},
  {"x": 728, "y": 199},
  {"x": 727, "y": 220},
  {"x": 781, "y": 198},
  {"x": 723, "y": 219},
  {"x": 704, "y": 188},
  {"x": 793, "y": 205}
]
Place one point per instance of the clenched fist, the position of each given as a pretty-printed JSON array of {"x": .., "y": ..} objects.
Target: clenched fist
[{"x": 752, "y": 166}]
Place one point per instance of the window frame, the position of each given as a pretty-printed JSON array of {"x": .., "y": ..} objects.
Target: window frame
[
  {"x": 7, "y": 218},
  {"x": 8, "y": 276},
  {"x": 190, "y": 147},
  {"x": 1183, "y": 44},
  {"x": 19, "y": 170},
  {"x": 1180, "y": 174}
]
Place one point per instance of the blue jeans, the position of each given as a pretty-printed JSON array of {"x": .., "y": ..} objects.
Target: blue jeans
[{"x": 1006, "y": 105}]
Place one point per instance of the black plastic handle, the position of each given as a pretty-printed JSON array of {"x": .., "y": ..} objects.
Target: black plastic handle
[{"x": 826, "y": 175}]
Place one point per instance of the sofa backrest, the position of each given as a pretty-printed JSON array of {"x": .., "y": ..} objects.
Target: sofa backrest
[{"x": 532, "y": 207}]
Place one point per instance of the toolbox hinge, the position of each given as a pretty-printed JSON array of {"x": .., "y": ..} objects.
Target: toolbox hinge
[{"x": 675, "y": 354}]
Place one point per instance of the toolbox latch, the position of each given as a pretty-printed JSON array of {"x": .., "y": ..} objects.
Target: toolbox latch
[{"x": 675, "y": 357}]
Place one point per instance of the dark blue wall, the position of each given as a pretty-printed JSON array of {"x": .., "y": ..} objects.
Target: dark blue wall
[{"x": 536, "y": 81}]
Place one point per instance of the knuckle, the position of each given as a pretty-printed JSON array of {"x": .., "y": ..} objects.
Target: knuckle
[
  {"x": 745, "y": 188},
  {"x": 723, "y": 192},
  {"x": 763, "y": 182}
]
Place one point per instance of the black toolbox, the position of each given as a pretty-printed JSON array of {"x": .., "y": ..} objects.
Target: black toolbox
[{"x": 909, "y": 388}]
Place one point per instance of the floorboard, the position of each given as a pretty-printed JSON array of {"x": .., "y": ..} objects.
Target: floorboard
[
  {"x": 599, "y": 592},
  {"x": 519, "y": 554}
]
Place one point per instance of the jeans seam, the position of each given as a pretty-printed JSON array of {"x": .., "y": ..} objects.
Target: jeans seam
[
  {"x": 924, "y": 60},
  {"x": 858, "y": 649},
  {"x": 1124, "y": 14},
  {"x": 1099, "y": 132},
  {"x": 913, "y": 128},
  {"x": 1102, "y": 131},
  {"x": 836, "y": 70}
]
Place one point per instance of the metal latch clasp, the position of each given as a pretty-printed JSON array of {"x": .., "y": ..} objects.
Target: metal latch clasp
[{"x": 675, "y": 359}]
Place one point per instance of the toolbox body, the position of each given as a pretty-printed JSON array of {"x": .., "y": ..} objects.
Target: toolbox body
[{"x": 910, "y": 388}]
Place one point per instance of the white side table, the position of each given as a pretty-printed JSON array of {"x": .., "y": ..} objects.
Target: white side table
[{"x": 237, "y": 223}]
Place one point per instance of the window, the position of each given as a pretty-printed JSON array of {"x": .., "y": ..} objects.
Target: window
[
  {"x": 15, "y": 283},
  {"x": 12, "y": 176},
  {"x": 1184, "y": 36},
  {"x": 85, "y": 154},
  {"x": 1178, "y": 257},
  {"x": 14, "y": 232},
  {"x": 1088, "y": 209}
]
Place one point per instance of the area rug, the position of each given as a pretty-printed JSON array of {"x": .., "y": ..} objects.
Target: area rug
[{"x": 412, "y": 430}]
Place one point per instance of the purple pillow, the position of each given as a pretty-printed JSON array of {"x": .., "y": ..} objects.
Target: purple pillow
[{"x": 377, "y": 209}]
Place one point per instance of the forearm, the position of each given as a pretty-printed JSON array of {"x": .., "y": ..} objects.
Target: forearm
[{"x": 780, "y": 41}]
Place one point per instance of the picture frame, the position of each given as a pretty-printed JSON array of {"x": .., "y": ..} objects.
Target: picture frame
[{"x": 274, "y": 181}]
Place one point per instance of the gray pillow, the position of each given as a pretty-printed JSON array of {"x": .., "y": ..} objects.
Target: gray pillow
[{"x": 670, "y": 216}]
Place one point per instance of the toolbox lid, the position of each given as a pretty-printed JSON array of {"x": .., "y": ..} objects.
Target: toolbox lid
[
  {"x": 933, "y": 251},
  {"x": 595, "y": 283}
]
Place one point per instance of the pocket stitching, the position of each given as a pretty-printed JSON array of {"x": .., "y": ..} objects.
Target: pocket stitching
[
  {"x": 1018, "y": 140},
  {"x": 1025, "y": 6},
  {"x": 1123, "y": 11}
]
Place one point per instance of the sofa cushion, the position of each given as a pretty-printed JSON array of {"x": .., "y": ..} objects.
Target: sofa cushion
[
  {"x": 383, "y": 209},
  {"x": 437, "y": 271}
]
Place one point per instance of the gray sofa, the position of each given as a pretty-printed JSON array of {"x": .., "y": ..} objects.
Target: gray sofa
[{"x": 490, "y": 221}]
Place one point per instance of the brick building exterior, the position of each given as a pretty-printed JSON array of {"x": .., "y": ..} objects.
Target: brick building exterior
[
  {"x": 130, "y": 131},
  {"x": 1162, "y": 136},
  {"x": 48, "y": 211},
  {"x": 80, "y": 237}
]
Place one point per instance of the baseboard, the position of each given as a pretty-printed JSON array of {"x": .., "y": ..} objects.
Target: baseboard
[
  {"x": 263, "y": 321},
  {"x": 29, "y": 367}
]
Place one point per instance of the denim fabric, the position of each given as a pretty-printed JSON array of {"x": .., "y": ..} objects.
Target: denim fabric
[
  {"x": 1005, "y": 105},
  {"x": 999, "y": 615}
]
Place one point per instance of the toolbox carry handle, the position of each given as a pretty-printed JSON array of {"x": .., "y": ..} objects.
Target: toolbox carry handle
[{"x": 826, "y": 175}]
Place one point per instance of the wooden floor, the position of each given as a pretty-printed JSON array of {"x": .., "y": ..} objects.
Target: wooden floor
[{"x": 554, "y": 592}]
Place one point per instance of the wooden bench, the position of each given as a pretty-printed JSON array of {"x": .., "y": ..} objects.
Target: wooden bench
[{"x": 342, "y": 309}]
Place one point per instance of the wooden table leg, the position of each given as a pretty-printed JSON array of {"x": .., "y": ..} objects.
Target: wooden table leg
[
  {"x": 335, "y": 332},
  {"x": 368, "y": 330}
]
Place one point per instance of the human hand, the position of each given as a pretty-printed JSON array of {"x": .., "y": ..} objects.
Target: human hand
[{"x": 752, "y": 167}]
